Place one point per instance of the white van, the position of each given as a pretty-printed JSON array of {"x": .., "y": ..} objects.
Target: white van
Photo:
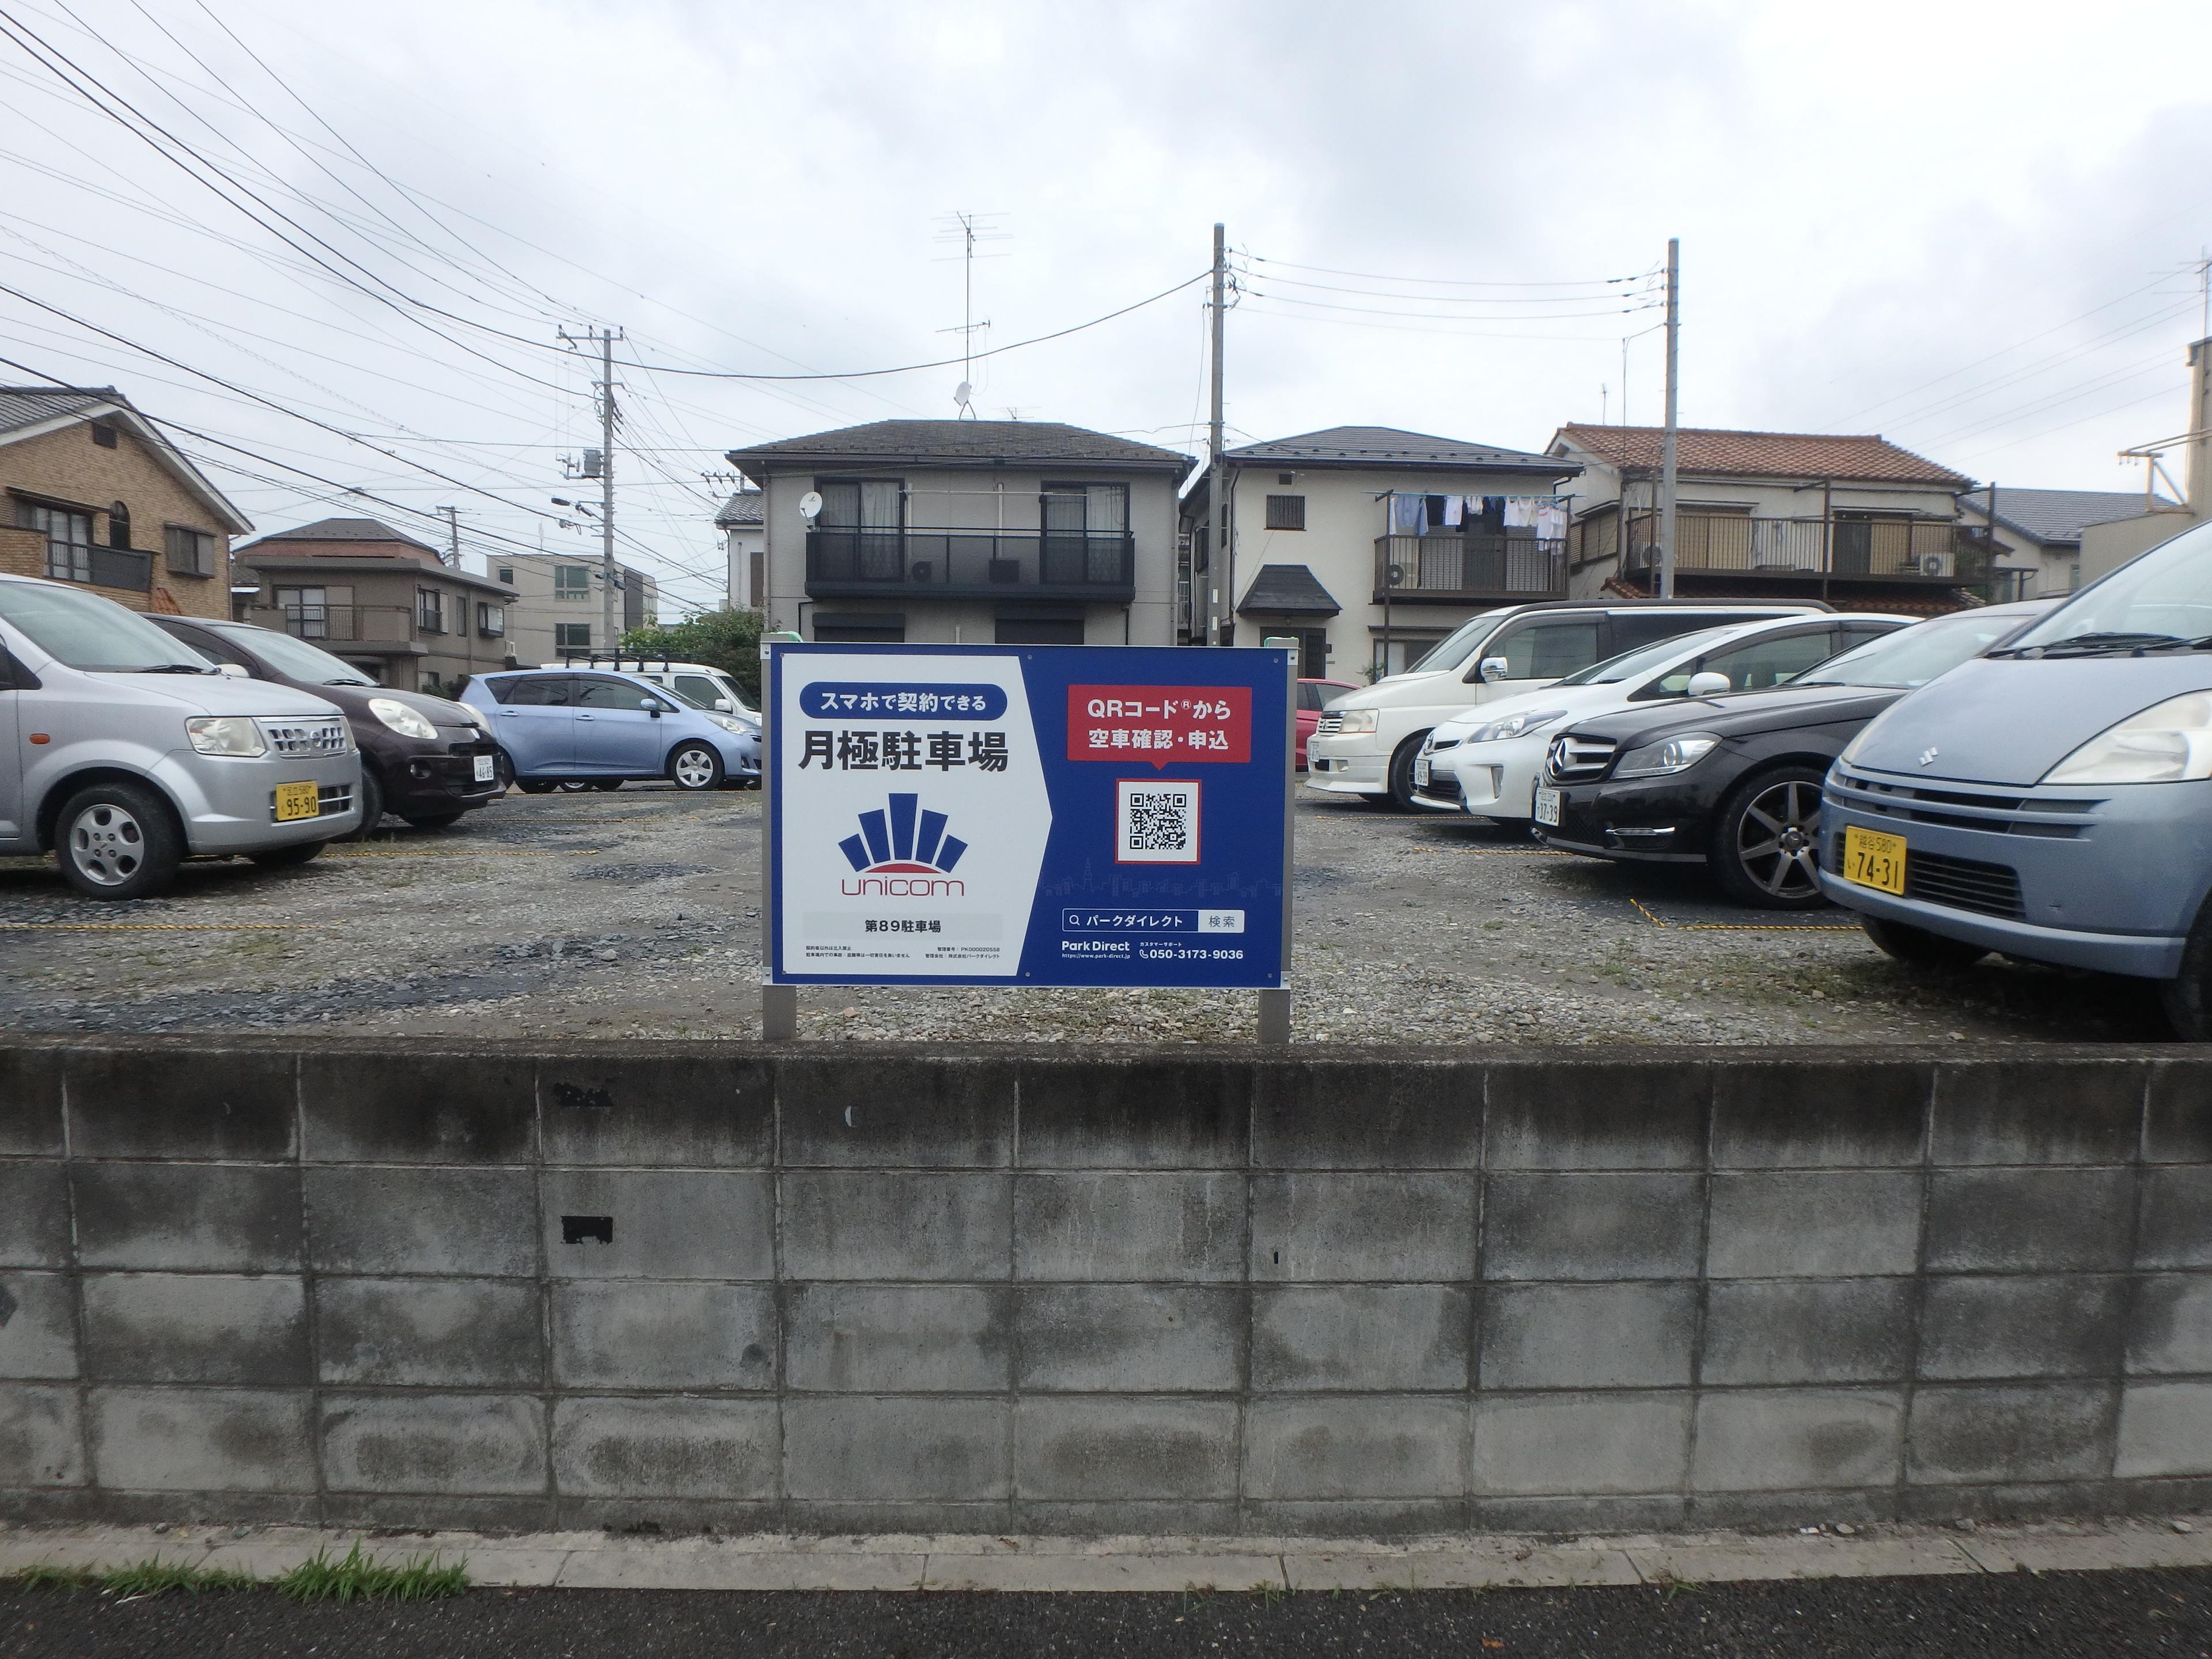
[
  {"x": 123, "y": 750},
  {"x": 710, "y": 688},
  {"x": 1367, "y": 740}
]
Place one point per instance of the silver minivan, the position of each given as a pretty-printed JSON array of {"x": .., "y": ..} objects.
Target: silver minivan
[
  {"x": 124, "y": 751},
  {"x": 2051, "y": 800}
]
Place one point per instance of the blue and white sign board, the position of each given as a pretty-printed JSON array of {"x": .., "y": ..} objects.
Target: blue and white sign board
[{"x": 1029, "y": 815}]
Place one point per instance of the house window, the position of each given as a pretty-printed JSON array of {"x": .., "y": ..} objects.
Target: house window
[
  {"x": 491, "y": 620},
  {"x": 506, "y": 575},
  {"x": 306, "y": 611},
  {"x": 572, "y": 581},
  {"x": 103, "y": 434},
  {"x": 69, "y": 539},
  {"x": 1286, "y": 512},
  {"x": 118, "y": 525},
  {"x": 191, "y": 552},
  {"x": 430, "y": 609},
  {"x": 1085, "y": 530},
  {"x": 572, "y": 636}
]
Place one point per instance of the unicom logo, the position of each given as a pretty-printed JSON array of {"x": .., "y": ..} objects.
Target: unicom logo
[{"x": 902, "y": 853}]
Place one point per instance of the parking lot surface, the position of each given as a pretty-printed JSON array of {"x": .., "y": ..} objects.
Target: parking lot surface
[{"x": 636, "y": 915}]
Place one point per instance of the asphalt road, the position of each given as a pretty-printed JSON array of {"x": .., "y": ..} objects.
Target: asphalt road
[{"x": 2053, "y": 1616}]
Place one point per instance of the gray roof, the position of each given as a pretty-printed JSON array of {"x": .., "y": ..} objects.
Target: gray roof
[
  {"x": 2058, "y": 517},
  {"x": 1287, "y": 590},
  {"x": 27, "y": 405},
  {"x": 746, "y": 507},
  {"x": 1387, "y": 446},
  {"x": 341, "y": 530},
  {"x": 925, "y": 443}
]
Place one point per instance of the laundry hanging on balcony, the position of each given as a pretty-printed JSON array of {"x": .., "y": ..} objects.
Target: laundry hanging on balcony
[
  {"x": 1455, "y": 507},
  {"x": 1409, "y": 515}
]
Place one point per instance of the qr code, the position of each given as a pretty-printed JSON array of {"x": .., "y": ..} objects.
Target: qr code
[{"x": 1157, "y": 823}]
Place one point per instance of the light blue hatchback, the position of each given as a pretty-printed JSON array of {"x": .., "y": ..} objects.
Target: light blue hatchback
[{"x": 556, "y": 727}]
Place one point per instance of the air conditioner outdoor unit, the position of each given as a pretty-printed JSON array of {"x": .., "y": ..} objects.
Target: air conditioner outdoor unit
[
  {"x": 1934, "y": 565},
  {"x": 923, "y": 570}
]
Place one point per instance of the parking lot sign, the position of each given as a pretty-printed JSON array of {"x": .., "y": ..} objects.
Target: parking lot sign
[{"x": 1028, "y": 815}]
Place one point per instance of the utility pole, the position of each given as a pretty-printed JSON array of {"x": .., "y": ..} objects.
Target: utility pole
[
  {"x": 1666, "y": 444},
  {"x": 1222, "y": 571},
  {"x": 453, "y": 536},
  {"x": 608, "y": 579}
]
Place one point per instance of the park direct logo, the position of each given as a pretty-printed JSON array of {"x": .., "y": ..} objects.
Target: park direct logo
[{"x": 903, "y": 852}]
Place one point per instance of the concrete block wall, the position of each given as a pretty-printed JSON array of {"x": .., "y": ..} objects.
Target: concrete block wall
[{"x": 723, "y": 1286}]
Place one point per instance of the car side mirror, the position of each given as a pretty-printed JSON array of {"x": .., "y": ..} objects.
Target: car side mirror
[
  {"x": 653, "y": 708},
  {"x": 1709, "y": 684},
  {"x": 237, "y": 671},
  {"x": 1493, "y": 670},
  {"x": 725, "y": 705}
]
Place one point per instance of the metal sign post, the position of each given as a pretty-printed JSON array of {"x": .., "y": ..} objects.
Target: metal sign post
[{"x": 1109, "y": 816}]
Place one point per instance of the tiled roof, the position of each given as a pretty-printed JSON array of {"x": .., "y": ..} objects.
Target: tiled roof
[
  {"x": 949, "y": 442},
  {"x": 27, "y": 405},
  {"x": 1287, "y": 590},
  {"x": 1709, "y": 452},
  {"x": 1387, "y": 446},
  {"x": 344, "y": 530},
  {"x": 746, "y": 507},
  {"x": 2059, "y": 516}
]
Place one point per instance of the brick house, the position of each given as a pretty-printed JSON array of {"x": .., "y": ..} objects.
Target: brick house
[{"x": 95, "y": 494}]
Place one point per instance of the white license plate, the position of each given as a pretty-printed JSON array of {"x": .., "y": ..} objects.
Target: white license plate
[
  {"x": 1420, "y": 775},
  {"x": 484, "y": 768},
  {"x": 1547, "y": 807}
]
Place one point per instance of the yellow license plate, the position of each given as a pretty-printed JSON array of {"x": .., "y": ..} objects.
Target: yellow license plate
[
  {"x": 1873, "y": 860},
  {"x": 297, "y": 800}
]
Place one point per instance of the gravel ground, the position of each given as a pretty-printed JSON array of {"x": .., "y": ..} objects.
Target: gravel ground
[
  {"x": 636, "y": 915},
  {"x": 2100, "y": 1615}
]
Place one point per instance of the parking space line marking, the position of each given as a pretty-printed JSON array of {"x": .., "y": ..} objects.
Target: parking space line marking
[
  {"x": 1740, "y": 926},
  {"x": 167, "y": 927},
  {"x": 1499, "y": 851}
]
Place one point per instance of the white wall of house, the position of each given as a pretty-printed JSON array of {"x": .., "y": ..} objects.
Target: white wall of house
[
  {"x": 739, "y": 543},
  {"x": 534, "y": 618}
]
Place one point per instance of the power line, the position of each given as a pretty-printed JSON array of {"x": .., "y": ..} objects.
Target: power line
[{"x": 1445, "y": 281}]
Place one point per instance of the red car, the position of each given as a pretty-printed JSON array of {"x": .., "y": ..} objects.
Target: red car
[{"x": 1313, "y": 695}]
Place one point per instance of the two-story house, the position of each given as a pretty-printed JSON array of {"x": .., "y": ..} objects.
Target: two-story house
[
  {"x": 91, "y": 492},
  {"x": 1369, "y": 544},
  {"x": 744, "y": 542},
  {"x": 2037, "y": 551},
  {"x": 557, "y": 607},
  {"x": 379, "y": 599},
  {"x": 1850, "y": 518},
  {"x": 1013, "y": 533}
]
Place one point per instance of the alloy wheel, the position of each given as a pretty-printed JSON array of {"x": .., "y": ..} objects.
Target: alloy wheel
[
  {"x": 108, "y": 844},
  {"x": 694, "y": 768},
  {"x": 1778, "y": 839}
]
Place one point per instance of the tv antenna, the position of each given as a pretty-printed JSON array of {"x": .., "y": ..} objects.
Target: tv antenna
[{"x": 967, "y": 230}]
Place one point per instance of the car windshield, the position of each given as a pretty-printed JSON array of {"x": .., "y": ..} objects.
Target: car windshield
[
  {"x": 2162, "y": 600},
  {"x": 1457, "y": 647},
  {"x": 1629, "y": 664},
  {"x": 295, "y": 657},
  {"x": 1913, "y": 656},
  {"x": 99, "y": 637}
]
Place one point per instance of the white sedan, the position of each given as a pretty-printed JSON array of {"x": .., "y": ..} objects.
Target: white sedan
[{"x": 1487, "y": 762}]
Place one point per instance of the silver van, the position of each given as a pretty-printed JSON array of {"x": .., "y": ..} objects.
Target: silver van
[
  {"x": 124, "y": 751},
  {"x": 2051, "y": 800}
]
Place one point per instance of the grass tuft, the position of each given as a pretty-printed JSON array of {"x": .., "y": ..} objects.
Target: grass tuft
[
  {"x": 355, "y": 1577},
  {"x": 46, "y": 1576},
  {"x": 155, "y": 1576}
]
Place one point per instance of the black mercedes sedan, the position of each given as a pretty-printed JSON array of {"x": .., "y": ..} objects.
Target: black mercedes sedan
[{"x": 1733, "y": 783}]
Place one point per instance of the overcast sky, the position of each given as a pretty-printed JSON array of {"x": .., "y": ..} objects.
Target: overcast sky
[{"x": 1970, "y": 228}]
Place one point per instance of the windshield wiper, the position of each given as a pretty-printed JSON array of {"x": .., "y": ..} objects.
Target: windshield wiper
[
  {"x": 349, "y": 682},
  {"x": 2096, "y": 644},
  {"x": 166, "y": 668}
]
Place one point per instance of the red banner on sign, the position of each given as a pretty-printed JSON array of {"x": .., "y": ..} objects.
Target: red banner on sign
[{"x": 1162, "y": 724}]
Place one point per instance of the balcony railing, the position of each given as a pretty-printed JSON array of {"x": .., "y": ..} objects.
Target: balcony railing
[
  {"x": 1454, "y": 568},
  {"x": 1098, "y": 565},
  {"x": 118, "y": 568},
  {"x": 1934, "y": 550},
  {"x": 346, "y": 625}
]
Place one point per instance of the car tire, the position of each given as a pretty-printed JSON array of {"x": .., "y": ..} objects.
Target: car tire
[
  {"x": 1916, "y": 947},
  {"x": 607, "y": 785},
  {"x": 283, "y": 857},
  {"x": 118, "y": 840},
  {"x": 1764, "y": 849},
  {"x": 371, "y": 803},
  {"x": 1401, "y": 773},
  {"x": 2187, "y": 997},
  {"x": 533, "y": 785},
  {"x": 433, "y": 820},
  {"x": 573, "y": 786},
  {"x": 695, "y": 767}
]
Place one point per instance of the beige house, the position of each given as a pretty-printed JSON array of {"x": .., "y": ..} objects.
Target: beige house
[
  {"x": 1369, "y": 544},
  {"x": 557, "y": 606},
  {"x": 379, "y": 601},
  {"x": 95, "y": 494},
  {"x": 1012, "y": 532},
  {"x": 743, "y": 522},
  {"x": 2106, "y": 547},
  {"x": 2040, "y": 533}
]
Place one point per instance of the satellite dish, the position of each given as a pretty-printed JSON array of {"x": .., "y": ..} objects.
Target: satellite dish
[
  {"x": 810, "y": 505},
  {"x": 962, "y": 393}
]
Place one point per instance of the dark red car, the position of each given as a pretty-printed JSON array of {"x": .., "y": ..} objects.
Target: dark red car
[{"x": 1313, "y": 695}]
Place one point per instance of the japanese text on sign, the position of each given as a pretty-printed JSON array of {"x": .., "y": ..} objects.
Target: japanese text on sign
[
  {"x": 827, "y": 699},
  {"x": 903, "y": 751},
  {"x": 1159, "y": 723}
]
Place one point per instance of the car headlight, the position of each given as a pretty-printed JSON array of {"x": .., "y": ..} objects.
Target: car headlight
[
  {"x": 226, "y": 734},
  {"x": 1514, "y": 725},
  {"x": 406, "y": 721},
  {"x": 2170, "y": 742},
  {"x": 1656, "y": 760},
  {"x": 1354, "y": 721},
  {"x": 731, "y": 724}
]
